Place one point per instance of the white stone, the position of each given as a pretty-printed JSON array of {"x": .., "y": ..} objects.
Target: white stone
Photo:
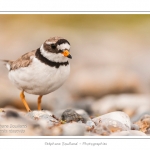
[
  {"x": 73, "y": 129},
  {"x": 45, "y": 118},
  {"x": 114, "y": 118}
]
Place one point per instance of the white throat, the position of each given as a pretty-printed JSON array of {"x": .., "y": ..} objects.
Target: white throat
[{"x": 53, "y": 56}]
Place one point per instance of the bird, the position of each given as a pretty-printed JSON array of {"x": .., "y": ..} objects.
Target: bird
[{"x": 41, "y": 71}]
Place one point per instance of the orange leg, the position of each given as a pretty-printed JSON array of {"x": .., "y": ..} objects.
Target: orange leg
[
  {"x": 39, "y": 102},
  {"x": 22, "y": 96}
]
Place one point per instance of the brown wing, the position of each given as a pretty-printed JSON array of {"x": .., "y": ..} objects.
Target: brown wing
[{"x": 23, "y": 61}]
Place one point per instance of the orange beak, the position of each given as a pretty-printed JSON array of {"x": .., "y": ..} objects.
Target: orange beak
[{"x": 66, "y": 54}]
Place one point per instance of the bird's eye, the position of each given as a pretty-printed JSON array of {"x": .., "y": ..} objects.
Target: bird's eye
[{"x": 53, "y": 46}]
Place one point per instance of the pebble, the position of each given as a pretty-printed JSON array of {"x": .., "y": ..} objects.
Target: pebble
[
  {"x": 108, "y": 126},
  {"x": 44, "y": 117},
  {"x": 144, "y": 123},
  {"x": 70, "y": 115},
  {"x": 45, "y": 123},
  {"x": 80, "y": 112},
  {"x": 115, "y": 119},
  {"x": 37, "y": 114},
  {"x": 109, "y": 123},
  {"x": 73, "y": 129}
]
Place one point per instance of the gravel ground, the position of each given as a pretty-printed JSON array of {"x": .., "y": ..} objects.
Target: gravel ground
[{"x": 71, "y": 123}]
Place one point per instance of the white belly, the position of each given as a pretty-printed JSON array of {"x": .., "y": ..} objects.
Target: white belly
[{"x": 38, "y": 78}]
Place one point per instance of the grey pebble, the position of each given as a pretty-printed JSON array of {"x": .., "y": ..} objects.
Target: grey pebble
[
  {"x": 70, "y": 115},
  {"x": 73, "y": 129}
]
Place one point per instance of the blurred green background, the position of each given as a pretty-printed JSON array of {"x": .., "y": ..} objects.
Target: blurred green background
[{"x": 111, "y": 55}]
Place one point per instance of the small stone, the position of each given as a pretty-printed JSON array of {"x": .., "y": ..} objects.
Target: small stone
[
  {"x": 44, "y": 116},
  {"x": 144, "y": 123},
  {"x": 73, "y": 129},
  {"x": 116, "y": 119},
  {"x": 12, "y": 113},
  {"x": 108, "y": 126},
  {"x": 37, "y": 114},
  {"x": 70, "y": 115},
  {"x": 101, "y": 130},
  {"x": 111, "y": 122},
  {"x": 56, "y": 131}
]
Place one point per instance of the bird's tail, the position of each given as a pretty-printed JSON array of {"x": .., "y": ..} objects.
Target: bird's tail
[
  {"x": 3, "y": 60},
  {"x": 6, "y": 63}
]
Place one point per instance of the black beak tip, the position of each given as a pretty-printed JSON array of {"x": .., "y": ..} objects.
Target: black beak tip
[{"x": 69, "y": 56}]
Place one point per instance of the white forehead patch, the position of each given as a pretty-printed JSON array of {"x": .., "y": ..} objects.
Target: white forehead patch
[
  {"x": 48, "y": 42},
  {"x": 63, "y": 46}
]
